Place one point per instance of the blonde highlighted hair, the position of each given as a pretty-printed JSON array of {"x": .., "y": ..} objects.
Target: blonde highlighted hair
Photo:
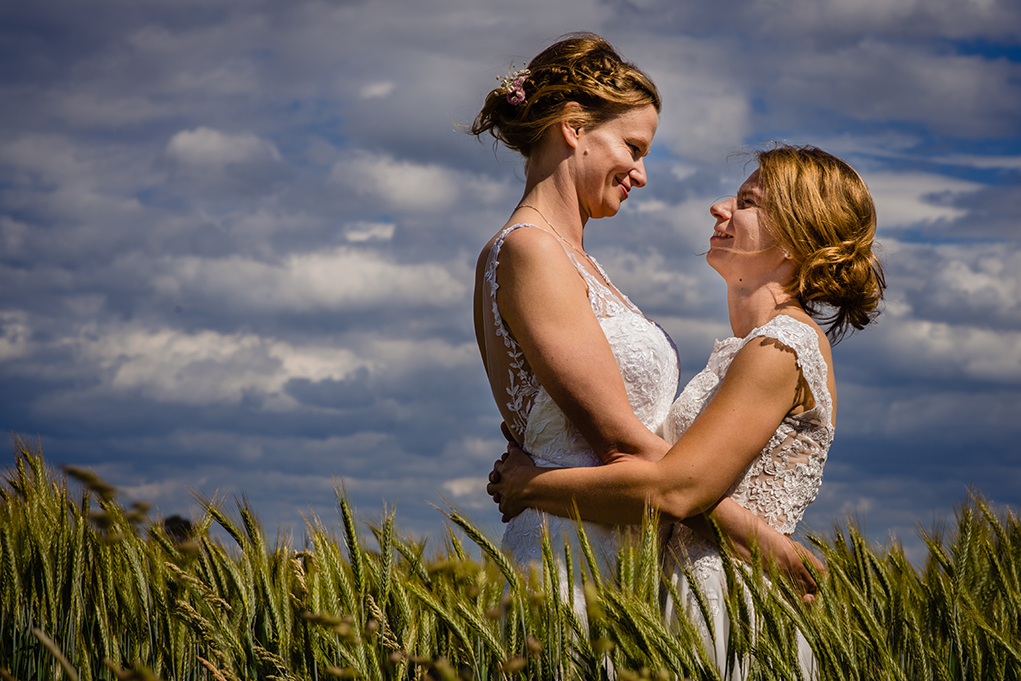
[
  {"x": 821, "y": 212},
  {"x": 580, "y": 67}
]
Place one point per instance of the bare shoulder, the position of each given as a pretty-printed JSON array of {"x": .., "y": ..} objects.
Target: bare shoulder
[
  {"x": 529, "y": 242},
  {"x": 522, "y": 246},
  {"x": 768, "y": 363},
  {"x": 532, "y": 253}
]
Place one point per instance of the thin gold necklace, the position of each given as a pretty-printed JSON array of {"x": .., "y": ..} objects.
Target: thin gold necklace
[{"x": 577, "y": 250}]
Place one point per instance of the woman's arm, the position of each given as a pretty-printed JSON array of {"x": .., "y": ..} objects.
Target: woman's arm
[
  {"x": 545, "y": 304},
  {"x": 752, "y": 400}
]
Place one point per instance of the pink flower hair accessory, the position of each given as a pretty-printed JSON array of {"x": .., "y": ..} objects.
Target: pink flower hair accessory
[{"x": 513, "y": 85}]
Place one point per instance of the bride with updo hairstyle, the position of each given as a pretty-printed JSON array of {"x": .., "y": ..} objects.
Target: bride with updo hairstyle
[
  {"x": 580, "y": 376},
  {"x": 820, "y": 208},
  {"x": 795, "y": 249},
  {"x": 584, "y": 69}
]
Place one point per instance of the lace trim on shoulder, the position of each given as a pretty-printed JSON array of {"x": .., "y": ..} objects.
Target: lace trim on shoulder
[
  {"x": 803, "y": 339},
  {"x": 784, "y": 479},
  {"x": 522, "y": 385}
]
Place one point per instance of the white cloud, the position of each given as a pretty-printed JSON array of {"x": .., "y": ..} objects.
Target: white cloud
[
  {"x": 207, "y": 367},
  {"x": 957, "y": 283},
  {"x": 992, "y": 283},
  {"x": 933, "y": 349},
  {"x": 402, "y": 185},
  {"x": 342, "y": 278},
  {"x": 983, "y": 162},
  {"x": 377, "y": 89},
  {"x": 15, "y": 335},
  {"x": 401, "y": 356},
  {"x": 906, "y": 199},
  {"x": 370, "y": 231},
  {"x": 463, "y": 487},
  {"x": 706, "y": 112},
  {"x": 207, "y": 148}
]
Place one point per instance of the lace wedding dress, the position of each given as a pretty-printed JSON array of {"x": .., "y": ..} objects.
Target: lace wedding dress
[
  {"x": 647, "y": 360},
  {"x": 777, "y": 486}
]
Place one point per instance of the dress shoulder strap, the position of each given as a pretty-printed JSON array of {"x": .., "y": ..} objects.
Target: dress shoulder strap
[
  {"x": 603, "y": 301},
  {"x": 494, "y": 258},
  {"x": 494, "y": 255}
]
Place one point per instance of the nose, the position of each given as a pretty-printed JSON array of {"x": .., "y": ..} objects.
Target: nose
[
  {"x": 723, "y": 210},
  {"x": 638, "y": 178}
]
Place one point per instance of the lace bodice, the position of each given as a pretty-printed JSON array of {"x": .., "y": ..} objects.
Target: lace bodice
[
  {"x": 780, "y": 483},
  {"x": 647, "y": 360}
]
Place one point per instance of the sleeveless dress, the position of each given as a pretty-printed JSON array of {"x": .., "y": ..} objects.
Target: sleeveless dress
[
  {"x": 647, "y": 360},
  {"x": 777, "y": 485}
]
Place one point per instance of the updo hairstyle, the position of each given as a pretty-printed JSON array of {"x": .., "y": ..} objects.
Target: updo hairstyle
[
  {"x": 582, "y": 68},
  {"x": 821, "y": 212}
]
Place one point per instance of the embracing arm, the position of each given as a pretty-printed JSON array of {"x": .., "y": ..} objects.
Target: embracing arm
[
  {"x": 753, "y": 398},
  {"x": 545, "y": 303}
]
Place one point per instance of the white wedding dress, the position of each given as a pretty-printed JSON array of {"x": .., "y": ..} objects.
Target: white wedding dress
[
  {"x": 777, "y": 486},
  {"x": 647, "y": 360}
]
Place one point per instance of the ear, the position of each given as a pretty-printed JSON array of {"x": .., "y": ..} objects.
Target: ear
[{"x": 569, "y": 125}]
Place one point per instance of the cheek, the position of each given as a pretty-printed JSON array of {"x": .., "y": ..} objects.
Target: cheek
[{"x": 763, "y": 236}]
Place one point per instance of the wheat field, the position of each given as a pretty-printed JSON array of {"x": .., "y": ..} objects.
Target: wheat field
[{"x": 90, "y": 589}]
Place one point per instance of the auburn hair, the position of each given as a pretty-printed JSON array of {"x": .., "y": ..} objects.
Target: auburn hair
[
  {"x": 822, "y": 213},
  {"x": 580, "y": 67}
]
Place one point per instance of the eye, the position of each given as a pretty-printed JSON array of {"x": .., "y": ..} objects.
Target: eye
[{"x": 635, "y": 151}]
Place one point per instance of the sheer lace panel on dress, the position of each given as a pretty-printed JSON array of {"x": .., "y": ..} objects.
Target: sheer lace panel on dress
[{"x": 784, "y": 479}]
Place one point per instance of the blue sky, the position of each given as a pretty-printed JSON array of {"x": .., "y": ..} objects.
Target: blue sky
[{"x": 237, "y": 238}]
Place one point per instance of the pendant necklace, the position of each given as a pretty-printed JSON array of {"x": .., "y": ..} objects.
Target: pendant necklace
[{"x": 580, "y": 252}]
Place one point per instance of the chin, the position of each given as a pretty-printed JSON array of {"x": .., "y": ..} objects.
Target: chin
[{"x": 713, "y": 259}]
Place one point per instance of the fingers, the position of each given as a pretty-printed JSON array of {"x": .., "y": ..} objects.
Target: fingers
[
  {"x": 506, "y": 432},
  {"x": 494, "y": 480}
]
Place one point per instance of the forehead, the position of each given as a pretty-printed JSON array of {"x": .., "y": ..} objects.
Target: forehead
[
  {"x": 642, "y": 120},
  {"x": 751, "y": 185}
]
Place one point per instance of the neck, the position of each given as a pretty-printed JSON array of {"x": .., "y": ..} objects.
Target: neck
[
  {"x": 752, "y": 306},
  {"x": 550, "y": 189}
]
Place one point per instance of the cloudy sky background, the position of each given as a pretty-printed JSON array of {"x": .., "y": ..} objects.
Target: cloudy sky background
[{"x": 237, "y": 238}]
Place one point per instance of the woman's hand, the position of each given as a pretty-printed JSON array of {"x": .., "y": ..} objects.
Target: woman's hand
[
  {"x": 801, "y": 576},
  {"x": 510, "y": 474}
]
